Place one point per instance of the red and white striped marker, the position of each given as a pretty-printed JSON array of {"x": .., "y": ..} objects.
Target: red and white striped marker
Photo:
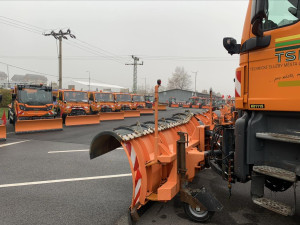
[
  {"x": 238, "y": 87},
  {"x": 137, "y": 174}
]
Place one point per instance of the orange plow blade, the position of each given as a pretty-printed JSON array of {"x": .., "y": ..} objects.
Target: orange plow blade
[
  {"x": 2, "y": 132},
  {"x": 161, "y": 107},
  {"x": 146, "y": 111},
  {"x": 38, "y": 125},
  {"x": 132, "y": 113},
  {"x": 111, "y": 116},
  {"x": 82, "y": 120},
  {"x": 154, "y": 180}
]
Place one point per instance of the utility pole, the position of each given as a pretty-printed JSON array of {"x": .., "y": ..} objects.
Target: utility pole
[
  {"x": 145, "y": 78},
  {"x": 8, "y": 85},
  {"x": 89, "y": 80},
  {"x": 135, "y": 64},
  {"x": 59, "y": 36},
  {"x": 195, "y": 80}
]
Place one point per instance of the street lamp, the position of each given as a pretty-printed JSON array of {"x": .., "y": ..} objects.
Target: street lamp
[{"x": 89, "y": 80}]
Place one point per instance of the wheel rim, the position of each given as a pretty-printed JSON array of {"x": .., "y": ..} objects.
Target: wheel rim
[{"x": 197, "y": 212}]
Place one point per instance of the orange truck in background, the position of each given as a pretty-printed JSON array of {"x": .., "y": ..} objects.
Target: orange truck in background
[
  {"x": 123, "y": 101},
  {"x": 101, "y": 102},
  {"x": 139, "y": 103},
  {"x": 32, "y": 109},
  {"x": 74, "y": 108}
]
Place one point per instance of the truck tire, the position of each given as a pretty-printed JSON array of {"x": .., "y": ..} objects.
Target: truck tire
[{"x": 197, "y": 214}]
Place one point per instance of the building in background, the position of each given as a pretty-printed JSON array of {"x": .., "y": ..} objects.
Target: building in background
[
  {"x": 180, "y": 95},
  {"x": 29, "y": 79}
]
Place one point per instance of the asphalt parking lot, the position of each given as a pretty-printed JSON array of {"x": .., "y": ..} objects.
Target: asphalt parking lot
[{"x": 48, "y": 178}]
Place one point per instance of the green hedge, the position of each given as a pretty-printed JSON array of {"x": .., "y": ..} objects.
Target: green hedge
[{"x": 6, "y": 97}]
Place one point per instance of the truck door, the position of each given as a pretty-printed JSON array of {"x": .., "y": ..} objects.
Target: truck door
[{"x": 274, "y": 75}]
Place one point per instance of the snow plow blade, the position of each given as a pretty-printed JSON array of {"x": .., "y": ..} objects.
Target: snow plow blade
[
  {"x": 38, "y": 125},
  {"x": 154, "y": 180},
  {"x": 146, "y": 111},
  {"x": 161, "y": 107},
  {"x": 82, "y": 120},
  {"x": 2, "y": 132},
  {"x": 111, "y": 116},
  {"x": 132, "y": 113}
]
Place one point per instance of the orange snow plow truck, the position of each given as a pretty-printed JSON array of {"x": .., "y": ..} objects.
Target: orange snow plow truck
[
  {"x": 124, "y": 104},
  {"x": 139, "y": 103},
  {"x": 74, "y": 108},
  {"x": 103, "y": 104},
  {"x": 32, "y": 109}
]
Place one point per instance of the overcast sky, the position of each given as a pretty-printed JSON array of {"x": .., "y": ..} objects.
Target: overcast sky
[{"x": 163, "y": 34}]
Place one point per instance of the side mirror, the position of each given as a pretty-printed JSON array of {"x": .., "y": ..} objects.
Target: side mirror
[
  {"x": 258, "y": 13},
  {"x": 65, "y": 101},
  {"x": 115, "y": 101},
  {"x": 54, "y": 98},
  {"x": 13, "y": 96},
  {"x": 96, "y": 101},
  {"x": 231, "y": 46}
]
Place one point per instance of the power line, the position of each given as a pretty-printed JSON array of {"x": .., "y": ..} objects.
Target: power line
[{"x": 6, "y": 18}]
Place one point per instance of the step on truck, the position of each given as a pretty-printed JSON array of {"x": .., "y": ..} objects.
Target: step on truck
[
  {"x": 32, "y": 109},
  {"x": 103, "y": 104},
  {"x": 74, "y": 108}
]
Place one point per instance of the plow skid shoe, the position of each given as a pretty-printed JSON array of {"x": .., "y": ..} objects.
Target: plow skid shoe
[
  {"x": 31, "y": 126},
  {"x": 146, "y": 111},
  {"x": 152, "y": 180},
  {"x": 2, "y": 132},
  {"x": 132, "y": 113},
  {"x": 82, "y": 120},
  {"x": 111, "y": 116}
]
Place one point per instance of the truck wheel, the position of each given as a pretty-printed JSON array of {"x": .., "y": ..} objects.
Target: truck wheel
[{"x": 197, "y": 214}]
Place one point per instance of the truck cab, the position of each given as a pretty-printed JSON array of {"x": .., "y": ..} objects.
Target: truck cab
[
  {"x": 123, "y": 101},
  {"x": 101, "y": 102},
  {"x": 267, "y": 87},
  {"x": 72, "y": 103},
  {"x": 31, "y": 102},
  {"x": 138, "y": 101}
]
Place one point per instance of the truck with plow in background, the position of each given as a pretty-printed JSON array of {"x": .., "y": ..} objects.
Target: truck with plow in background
[
  {"x": 103, "y": 104},
  {"x": 139, "y": 103},
  {"x": 125, "y": 104},
  {"x": 74, "y": 108},
  {"x": 32, "y": 109}
]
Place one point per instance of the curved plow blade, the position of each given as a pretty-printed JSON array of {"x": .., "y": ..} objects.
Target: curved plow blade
[
  {"x": 146, "y": 111},
  {"x": 82, "y": 120},
  {"x": 111, "y": 116},
  {"x": 153, "y": 180},
  {"x": 38, "y": 125},
  {"x": 2, "y": 132},
  {"x": 132, "y": 113}
]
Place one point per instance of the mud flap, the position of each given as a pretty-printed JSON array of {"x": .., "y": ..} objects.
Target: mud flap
[
  {"x": 208, "y": 200},
  {"x": 132, "y": 113},
  {"x": 82, "y": 120},
  {"x": 111, "y": 116},
  {"x": 39, "y": 125},
  {"x": 2, "y": 132}
]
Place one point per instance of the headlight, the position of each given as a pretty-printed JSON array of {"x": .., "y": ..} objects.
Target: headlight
[
  {"x": 22, "y": 107},
  {"x": 98, "y": 106},
  {"x": 68, "y": 107},
  {"x": 86, "y": 107},
  {"x": 49, "y": 108}
]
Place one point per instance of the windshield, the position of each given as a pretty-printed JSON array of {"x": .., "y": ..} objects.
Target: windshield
[
  {"x": 76, "y": 96},
  {"x": 123, "y": 98},
  {"x": 35, "y": 96},
  {"x": 149, "y": 98},
  {"x": 138, "y": 98},
  {"x": 104, "y": 97}
]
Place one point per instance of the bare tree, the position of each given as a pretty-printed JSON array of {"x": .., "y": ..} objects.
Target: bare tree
[{"x": 179, "y": 80}]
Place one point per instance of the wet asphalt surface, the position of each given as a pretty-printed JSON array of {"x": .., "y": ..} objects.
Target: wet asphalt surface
[{"x": 102, "y": 201}]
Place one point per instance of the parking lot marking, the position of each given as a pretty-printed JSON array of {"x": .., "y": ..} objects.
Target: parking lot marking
[
  {"x": 67, "y": 151},
  {"x": 64, "y": 180},
  {"x": 13, "y": 143}
]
